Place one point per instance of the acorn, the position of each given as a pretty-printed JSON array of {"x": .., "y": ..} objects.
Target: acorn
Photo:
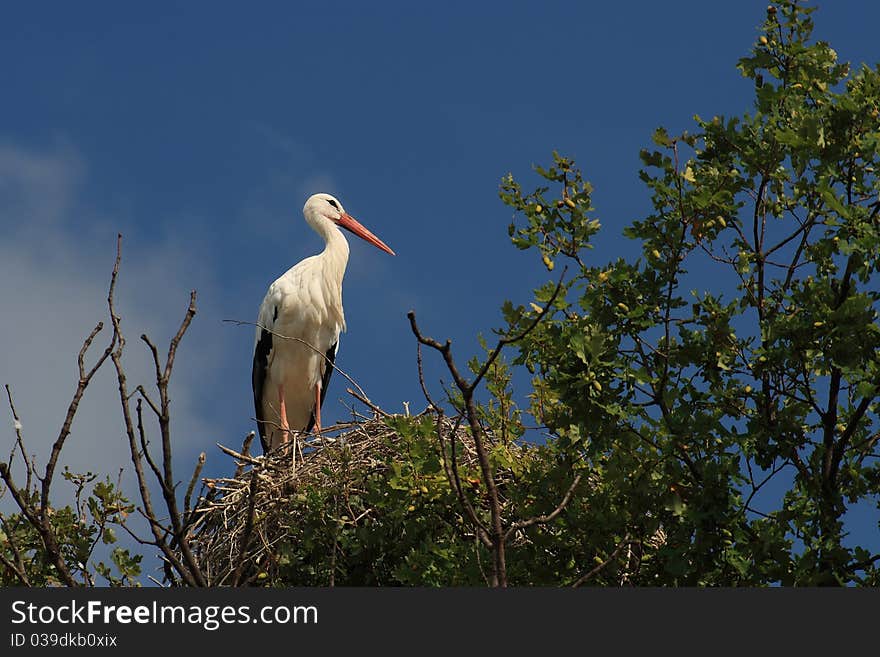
[
  {"x": 763, "y": 40},
  {"x": 538, "y": 209},
  {"x": 569, "y": 202},
  {"x": 622, "y": 306}
]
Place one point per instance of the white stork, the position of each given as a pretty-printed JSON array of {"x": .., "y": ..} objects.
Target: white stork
[{"x": 298, "y": 328}]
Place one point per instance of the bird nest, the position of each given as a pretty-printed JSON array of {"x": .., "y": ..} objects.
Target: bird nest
[{"x": 240, "y": 524}]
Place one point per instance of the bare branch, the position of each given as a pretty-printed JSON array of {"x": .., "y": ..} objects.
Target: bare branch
[
  {"x": 244, "y": 458},
  {"x": 145, "y": 451},
  {"x": 153, "y": 407},
  {"x": 190, "y": 573},
  {"x": 300, "y": 340},
  {"x": 366, "y": 401},
  {"x": 175, "y": 341},
  {"x": 192, "y": 483},
  {"x": 422, "y": 379},
  {"x": 503, "y": 342},
  {"x": 29, "y": 465},
  {"x": 243, "y": 560},
  {"x": 245, "y": 453}
]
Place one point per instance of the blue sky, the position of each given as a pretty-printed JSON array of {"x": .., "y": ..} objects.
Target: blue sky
[{"x": 199, "y": 129}]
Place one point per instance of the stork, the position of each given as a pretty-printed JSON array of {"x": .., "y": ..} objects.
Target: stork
[{"x": 298, "y": 329}]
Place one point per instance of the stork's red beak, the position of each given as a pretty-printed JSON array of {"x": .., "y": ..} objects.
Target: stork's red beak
[{"x": 350, "y": 223}]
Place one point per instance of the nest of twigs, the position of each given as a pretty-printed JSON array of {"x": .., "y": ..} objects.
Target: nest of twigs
[{"x": 239, "y": 524}]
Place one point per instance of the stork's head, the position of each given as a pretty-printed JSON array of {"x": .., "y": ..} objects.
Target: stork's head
[{"x": 322, "y": 207}]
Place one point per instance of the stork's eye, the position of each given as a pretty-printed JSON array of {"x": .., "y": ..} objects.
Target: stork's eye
[{"x": 333, "y": 203}]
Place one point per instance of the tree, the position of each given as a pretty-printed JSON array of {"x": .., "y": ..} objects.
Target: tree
[
  {"x": 705, "y": 414},
  {"x": 767, "y": 374}
]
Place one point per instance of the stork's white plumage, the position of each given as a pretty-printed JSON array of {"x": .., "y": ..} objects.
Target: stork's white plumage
[{"x": 298, "y": 328}]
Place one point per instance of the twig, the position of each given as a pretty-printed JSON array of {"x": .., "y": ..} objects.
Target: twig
[
  {"x": 245, "y": 452},
  {"x": 594, "y": 571},
  {"x": 143, "y": 440},
  {"x": 425, "y": 392},
  {"x": 499, "y": 573},
  {"x": 17, "y": 567},
  {"x": 300, "y": 340},
  {"x": 450, "y": 466},
  {"x": 18, "y": 439},
  {"x": 248, "y": 530},
  {"x": 366, "y": 401},
  {"x": 20, "y": 574},
  {"x": 540, "y": 520},
  {"x": 44, "y": 527},
  {"x": 192, "y": 483},
  {"x": 190, "y": 572},
  {"x": 242, "y": 457},
  {"x": 502, "y": 342}
]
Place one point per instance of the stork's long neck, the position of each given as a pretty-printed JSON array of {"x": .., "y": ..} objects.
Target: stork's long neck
[
  {"x": 335, "y": 253},
  {"x": 334, "y": 259}
]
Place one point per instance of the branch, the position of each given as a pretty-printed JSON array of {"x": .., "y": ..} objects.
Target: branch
[
  {"x": 499, "y": 577},
  {"x": 41, "y": 521},
  {"x": 191, "y": 576},
  {"x": 192, "y": 483},
  {"x": 17, "y": 567},
  {"x": 144, "y": 449},
  {"x": 540, "y": 520},
  {"x": 300, "y": 340},
  {"x": 177, "y": 522},
  {"x": 451, "y": 467},
  {"x": 20, "y": 574},
  {"x": 29, "y": 466},
  {"x": 366, "y": 401},
  {"x": 519, "y": 336},
  {"x": 240, "y": 569},
  {"x": 422, "y": 380},
  {"x": 242, "y": 457},
  {"x": 850, "y": 430},
  {"x": 245, "y": 452},
  {"x": 594, "y": 571}
]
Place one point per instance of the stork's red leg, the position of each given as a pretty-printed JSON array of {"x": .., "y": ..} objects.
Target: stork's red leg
[
  {"x": 318, "y": 407},
  {"x": 285, "y": 427}
]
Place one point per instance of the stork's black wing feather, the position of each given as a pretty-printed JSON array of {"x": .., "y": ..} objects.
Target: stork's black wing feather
[
  {"x": 331, "y": 358},
  {"x": 258, "y": 379}
]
